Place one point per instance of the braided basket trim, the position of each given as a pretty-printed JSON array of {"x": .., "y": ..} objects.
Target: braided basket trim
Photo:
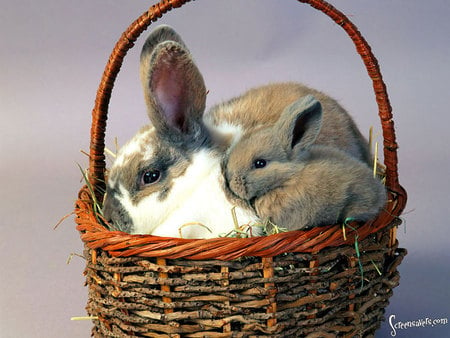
[{"x": 121, "y": 244}]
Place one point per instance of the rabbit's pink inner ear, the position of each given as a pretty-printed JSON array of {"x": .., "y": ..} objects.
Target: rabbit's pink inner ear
[
  {"x": 169, "y": 88},
  {"x": 175, "y": 90}
]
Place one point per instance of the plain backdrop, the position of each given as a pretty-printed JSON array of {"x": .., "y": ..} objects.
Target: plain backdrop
[{"x": 51, "y": 59}]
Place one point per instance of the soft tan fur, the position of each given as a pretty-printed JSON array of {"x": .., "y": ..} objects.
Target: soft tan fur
[
  {"x": 262, "y": 106},
  {"x": 302, "y": 185}
]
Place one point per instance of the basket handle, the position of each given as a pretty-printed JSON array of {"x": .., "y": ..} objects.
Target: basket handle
[{"x": 97, "y": 163}]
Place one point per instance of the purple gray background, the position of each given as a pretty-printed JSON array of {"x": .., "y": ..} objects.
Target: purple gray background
[{"x": 53, "y": 53}]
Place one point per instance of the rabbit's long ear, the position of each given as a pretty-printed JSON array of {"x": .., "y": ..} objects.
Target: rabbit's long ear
[
  {"x": 173, "y": 86},
  {"x": 299, "y": 125}
]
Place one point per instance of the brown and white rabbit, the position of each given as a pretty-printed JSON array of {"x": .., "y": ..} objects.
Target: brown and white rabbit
[
  {"x": 170, "y": 174},
  {"x": 296, "y": 184}
]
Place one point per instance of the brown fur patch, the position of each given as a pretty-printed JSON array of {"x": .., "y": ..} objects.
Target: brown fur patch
[
  {"x": 262, "y": 106},
  {"x": 150, "y": 154},
  {"x": 172, "y": 165}
]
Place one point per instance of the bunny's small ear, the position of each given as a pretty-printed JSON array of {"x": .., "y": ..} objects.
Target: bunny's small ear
[
  {"x": 174, "y": 89},
  {"x": 299, "y": 124}
]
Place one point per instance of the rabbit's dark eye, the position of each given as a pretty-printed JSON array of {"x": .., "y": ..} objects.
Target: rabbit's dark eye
[
  {"x": 151, "y": 176},
  {"x": 259, "y": 163}
]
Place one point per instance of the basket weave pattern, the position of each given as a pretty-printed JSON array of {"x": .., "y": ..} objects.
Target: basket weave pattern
[
  {"x": 295, "y": 295},
  {"x": 315, "y": 283}
]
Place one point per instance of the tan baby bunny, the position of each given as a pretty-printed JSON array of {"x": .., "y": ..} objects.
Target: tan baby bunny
[{"x": 296, "y": 184}]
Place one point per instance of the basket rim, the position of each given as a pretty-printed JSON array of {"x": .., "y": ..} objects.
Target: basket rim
[{"x": 121, "y": 244}]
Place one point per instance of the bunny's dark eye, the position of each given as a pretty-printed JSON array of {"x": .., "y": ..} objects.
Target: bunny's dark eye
[
  {"x": 259, "y": 163},
  {"x": 150, "y": 176}
]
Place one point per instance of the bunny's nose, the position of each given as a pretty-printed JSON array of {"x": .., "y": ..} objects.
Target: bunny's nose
[{"x": 116, "y": 215}]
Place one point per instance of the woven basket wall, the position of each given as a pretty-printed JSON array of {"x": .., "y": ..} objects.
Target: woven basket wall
[{"x": 315, "y": 283}]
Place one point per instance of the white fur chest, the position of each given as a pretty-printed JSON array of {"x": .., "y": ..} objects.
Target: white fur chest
[{"x": 196, "y": 206}]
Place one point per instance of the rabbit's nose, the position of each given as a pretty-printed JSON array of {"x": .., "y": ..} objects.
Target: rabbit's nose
[{"x": 115, "y": 214}]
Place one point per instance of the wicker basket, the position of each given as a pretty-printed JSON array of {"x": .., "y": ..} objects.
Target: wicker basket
[{"x": 315, "y": 283}]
